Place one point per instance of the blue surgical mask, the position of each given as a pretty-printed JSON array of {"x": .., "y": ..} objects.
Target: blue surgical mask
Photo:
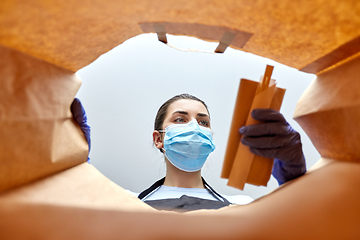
[{"x": 187, "y": 146}]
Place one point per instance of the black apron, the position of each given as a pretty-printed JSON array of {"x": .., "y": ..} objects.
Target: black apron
[{"x": 184, "y": 203}]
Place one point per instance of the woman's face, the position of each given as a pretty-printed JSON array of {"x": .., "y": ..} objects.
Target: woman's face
[{"x": 185, "y": 110}]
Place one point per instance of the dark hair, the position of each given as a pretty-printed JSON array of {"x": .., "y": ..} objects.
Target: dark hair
[{"x": 160, "y": 116}]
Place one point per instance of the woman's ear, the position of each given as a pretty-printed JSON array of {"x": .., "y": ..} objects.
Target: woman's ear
[{"x": 157, "y": 138}]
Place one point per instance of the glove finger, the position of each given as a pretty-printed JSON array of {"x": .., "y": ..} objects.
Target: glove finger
[
  {"x": 268, "y": 128},
  {"x": 80, "y": 117},
  {"x": 268, "y": 153},
  {"x": 270, "y": 141},
  {"x": 78, "y": 112},
  {"x": 267, "y": 115},
  {"x": 289, "y": 154}
]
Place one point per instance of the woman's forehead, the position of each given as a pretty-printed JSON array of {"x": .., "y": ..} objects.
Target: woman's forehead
[{"x": 188, "y": 105}]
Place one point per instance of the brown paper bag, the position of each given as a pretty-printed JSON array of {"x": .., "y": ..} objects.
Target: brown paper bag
[
  {"x": 329, "y": 112},
  {"x": 307, "y": 208},
  {"x": 38, "y": 134},
  {"x": 80, "y": 186},
  {"x": 240, "y": 165}
]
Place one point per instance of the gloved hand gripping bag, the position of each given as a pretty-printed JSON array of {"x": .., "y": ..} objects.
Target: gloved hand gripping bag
[{"x": 240, "y": 165}]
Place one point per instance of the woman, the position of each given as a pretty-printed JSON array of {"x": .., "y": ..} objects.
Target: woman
[{"x": 182, "y": 132}]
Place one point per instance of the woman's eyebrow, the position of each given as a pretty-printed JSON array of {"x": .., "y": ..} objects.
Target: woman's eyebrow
[
  {"x": 181, "y": 112},
  {"x": 186, "y": 113},
  {"x": 203, "y": 115}
]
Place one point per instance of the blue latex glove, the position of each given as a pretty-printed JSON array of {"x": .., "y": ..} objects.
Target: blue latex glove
[
  {"x": 79, "y": 115},
  {"x": 275, "y": 138}
]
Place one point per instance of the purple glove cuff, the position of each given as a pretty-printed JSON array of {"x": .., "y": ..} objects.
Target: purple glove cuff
[{"x": 284, "y": 172}]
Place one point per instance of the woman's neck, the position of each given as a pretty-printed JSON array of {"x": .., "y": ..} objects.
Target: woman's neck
[{"x": 178, "y": 178}]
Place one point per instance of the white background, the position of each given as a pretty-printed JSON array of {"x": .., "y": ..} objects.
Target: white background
[{"x": 123, "y": 89}]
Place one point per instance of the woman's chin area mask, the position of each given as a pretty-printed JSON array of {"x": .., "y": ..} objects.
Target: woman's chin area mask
[{"x": 187, "y": 146}]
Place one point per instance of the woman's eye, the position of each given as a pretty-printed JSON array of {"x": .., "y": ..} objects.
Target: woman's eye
[
  {"x": 179, "y": 120},
  {"x": 204, "y": 123}
]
